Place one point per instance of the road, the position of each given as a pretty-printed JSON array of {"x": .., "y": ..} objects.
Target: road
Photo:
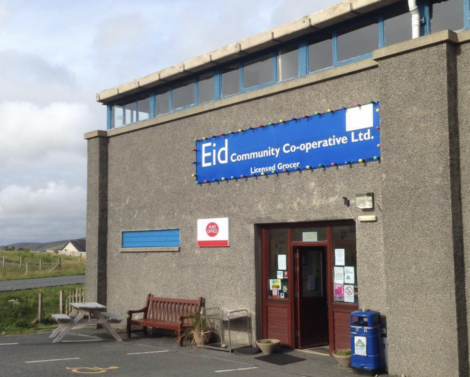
[{"x": 15, "y": 285}]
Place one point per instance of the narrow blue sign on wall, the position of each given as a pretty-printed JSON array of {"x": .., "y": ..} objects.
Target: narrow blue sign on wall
[{"x": 341, "y": 137}]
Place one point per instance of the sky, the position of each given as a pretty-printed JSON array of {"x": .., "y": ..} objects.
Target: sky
[{"x": 55, "y": 55}]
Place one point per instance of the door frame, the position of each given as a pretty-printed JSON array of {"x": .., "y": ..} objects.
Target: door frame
[{"x": 289, "y": 303}]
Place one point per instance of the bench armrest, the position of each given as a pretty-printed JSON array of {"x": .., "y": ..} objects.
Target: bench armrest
[{"x": 130, "y": 312}]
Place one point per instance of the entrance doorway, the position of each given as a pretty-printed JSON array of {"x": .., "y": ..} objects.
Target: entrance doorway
[
  {"x": 311, "y": 299},
  {"x": 309, "y": 283}
]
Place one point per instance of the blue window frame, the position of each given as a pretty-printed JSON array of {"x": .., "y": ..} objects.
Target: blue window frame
[
  {"x": 151, "y": 239},
  {"x": 316, "y": 52}
]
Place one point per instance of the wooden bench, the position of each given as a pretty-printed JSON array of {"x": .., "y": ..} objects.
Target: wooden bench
[{"x": 164, "y": 313}]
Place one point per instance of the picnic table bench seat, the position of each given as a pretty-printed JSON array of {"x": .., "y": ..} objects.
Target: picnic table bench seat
[
  {"x": 164, "y": 313},
  {"x": 62, "y": 318}
]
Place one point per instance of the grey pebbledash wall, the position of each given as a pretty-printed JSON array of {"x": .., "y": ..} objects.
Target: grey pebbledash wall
[{"x": 411, "y": 262}]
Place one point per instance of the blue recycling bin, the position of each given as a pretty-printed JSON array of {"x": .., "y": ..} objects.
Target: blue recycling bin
[{"x": 366, "y": 342}]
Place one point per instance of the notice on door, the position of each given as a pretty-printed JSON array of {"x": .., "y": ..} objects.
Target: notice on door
[
  {"x": 349, "y": 275},
  {"x": 349, "y": 293},
  {"x": 339, "y": 275},
  {"x": 339, "y": 257},
  {"x": 282, "y": 262},
  {"x": 360, "y": 345}
]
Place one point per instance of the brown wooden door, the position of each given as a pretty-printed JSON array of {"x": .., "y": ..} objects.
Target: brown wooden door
[{"x": 311, "y": 296}]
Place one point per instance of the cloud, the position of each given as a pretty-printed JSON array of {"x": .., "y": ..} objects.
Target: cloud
[
  {"x": 4, "y": 13},
  {"x": 28, "y": 77},
  {"x": 52, "y": 211},
  {"x": 30, "y": 132}
]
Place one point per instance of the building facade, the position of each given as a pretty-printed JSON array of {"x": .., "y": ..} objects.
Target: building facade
[{"x": 298, "y": 257}]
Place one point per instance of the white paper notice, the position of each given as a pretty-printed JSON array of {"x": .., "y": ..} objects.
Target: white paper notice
[
  {"x": 349, "y": 293},
  {"x": 339, "y": 257},
  {"x": 339, "y": 275},
  {"x": 349, "y": 275},
  {"x": 282, "y": 262},
  {"x": 280, "y": 274}
]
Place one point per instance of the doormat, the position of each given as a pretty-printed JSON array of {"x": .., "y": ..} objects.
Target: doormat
[{"x": 280, "y": 359}]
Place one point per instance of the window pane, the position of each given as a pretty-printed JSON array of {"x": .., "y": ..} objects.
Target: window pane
[
  {"x": 320, "y": 54},
  {"x": 130, "y": 113},
  {"x": 143, "y": 108},
  {"x": 277, "y": 286},
  {"x": 230, "y": 83},
  {"x": 118, "y": 119},
  {"x": 183, "y": 95},
  {"x": 397, "y": 28},
  {"x": 288, "y": 63},
  {"x": 352, "y": 43},
  {"x": 447, "y": 15},
  {"x": 344, "y": 238},
  {"x": 257, "y": 72},
  {"x": 309, "y": 234},
  {"x": 163, "y": 101},
  {"x": 206, "y": 88}
]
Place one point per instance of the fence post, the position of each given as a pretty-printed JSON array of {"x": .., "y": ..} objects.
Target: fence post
[
  {"x": 40, "y": 264},
  {"x": 61, "y": 302},
  {"x": 21, "y": 262},
  {"x": 4, "y": 261},
  {"x": 27, "y": 268},
  {"x": 40, "y": 308}
]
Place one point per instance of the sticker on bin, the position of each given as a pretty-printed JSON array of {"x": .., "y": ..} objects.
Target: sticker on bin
[{"x": 360, "y": 345}]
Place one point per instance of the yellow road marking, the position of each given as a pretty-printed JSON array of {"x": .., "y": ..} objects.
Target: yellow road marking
[{"x": 90, "y": 370}]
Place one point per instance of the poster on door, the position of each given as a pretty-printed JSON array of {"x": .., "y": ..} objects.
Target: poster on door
[{"x": 339, "y": 292}]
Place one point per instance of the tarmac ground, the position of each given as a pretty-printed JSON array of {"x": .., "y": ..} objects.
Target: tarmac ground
[{"x": 92, "y": 351}]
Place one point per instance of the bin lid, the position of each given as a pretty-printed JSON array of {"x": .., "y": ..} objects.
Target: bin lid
[{"x": 364, "y": 313}]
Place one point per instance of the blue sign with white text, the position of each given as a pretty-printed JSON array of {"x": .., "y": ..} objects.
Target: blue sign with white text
[{"x": 341, "y": 137}]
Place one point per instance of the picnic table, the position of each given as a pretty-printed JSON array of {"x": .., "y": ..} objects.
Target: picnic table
[{"x": 97, "y": 315}]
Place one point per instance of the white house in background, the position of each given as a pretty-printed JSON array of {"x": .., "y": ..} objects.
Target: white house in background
[{"x": 75, "y": 248}]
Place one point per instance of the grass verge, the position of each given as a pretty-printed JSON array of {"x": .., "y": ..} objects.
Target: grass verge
[
  {"x": 19, "y": 309},
  {"x": 12, "y": 270}
]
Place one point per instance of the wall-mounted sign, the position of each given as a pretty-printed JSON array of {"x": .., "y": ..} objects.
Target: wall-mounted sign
[
  {"x": 213, "y": 232},
  {"x": 340, "y": 137}
]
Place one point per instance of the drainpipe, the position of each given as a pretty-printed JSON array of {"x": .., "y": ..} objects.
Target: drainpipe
[{"x": 415, "y": 22}]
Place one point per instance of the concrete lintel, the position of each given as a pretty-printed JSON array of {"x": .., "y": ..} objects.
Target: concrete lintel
[
  {"x": 366, "y": 6},
  {"x": 444, "y": 36},
  {"x": 270, "y": 90},
  {"x": 258, "y": 42},
  {"x": 94, "y": 134},
  {"x": 332, "y": 15},
  {"x": 226, "y": 53},
  {"x": 292, "y": 29}
]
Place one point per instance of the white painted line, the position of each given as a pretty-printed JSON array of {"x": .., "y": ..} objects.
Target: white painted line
[
  {"x": 45, "y": 361},
  {"x": 8, "y": 344},
  {"x": 234, "y": 370},
  {"x": 142, "y": 353}
]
